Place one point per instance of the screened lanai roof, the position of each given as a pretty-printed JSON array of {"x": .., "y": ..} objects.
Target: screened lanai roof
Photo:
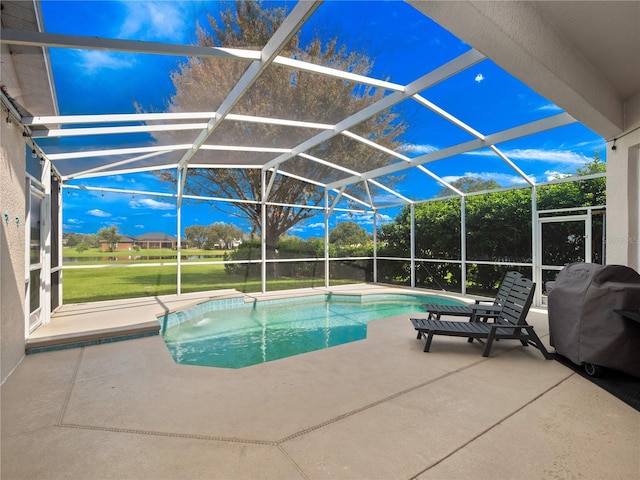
[{"x": 451, "y": 129}]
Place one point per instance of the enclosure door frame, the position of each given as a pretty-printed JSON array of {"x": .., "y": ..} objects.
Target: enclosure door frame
[{"x": 568, "y": 215}]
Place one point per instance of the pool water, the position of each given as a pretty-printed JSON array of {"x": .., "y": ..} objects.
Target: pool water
[{"x": 266, "y": 331}]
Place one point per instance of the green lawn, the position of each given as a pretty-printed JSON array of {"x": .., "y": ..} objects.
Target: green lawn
[
  {"x": 116, "y": 280},
  {"x": 95, "y": 284}
]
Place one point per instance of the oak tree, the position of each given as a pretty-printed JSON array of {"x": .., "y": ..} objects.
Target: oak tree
[{"x": 279, "y": 93}]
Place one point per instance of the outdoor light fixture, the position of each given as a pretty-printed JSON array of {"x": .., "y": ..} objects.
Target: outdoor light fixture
[
  {"x": 615, "y": 139},
  {"x": 33, "y": 153}
]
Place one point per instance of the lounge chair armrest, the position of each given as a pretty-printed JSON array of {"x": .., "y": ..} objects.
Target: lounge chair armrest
[
  {"x": 484, "y": 312},
  {"x": 490, "y": 309},
  {"x": 485, "y": 301},
  {"x": 509, "y": 325}
]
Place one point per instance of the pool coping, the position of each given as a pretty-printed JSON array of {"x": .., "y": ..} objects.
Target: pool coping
[
  {"x": 230, "y": 303},
  {"x": 95, "y": 337}
]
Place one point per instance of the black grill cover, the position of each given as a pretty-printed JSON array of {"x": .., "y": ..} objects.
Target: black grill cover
[{"x": 582, "y": 324}]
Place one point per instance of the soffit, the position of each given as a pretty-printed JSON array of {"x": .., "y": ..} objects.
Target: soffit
[
  {"x": 606, "y": 34},
  {"x": 32, "y": 93}
]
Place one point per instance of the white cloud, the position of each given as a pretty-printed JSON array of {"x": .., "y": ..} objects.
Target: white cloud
[
  {"x": 151, "y": 204},
  {"x": 364, "y": 218},
  {"x": 564, "y": 157},
  {"x": 75, "y": 221},
  {"x": 316, "y": 225},
  {"x": 161, "y": 20},
  {"x": 549, "y": 107},
  {"x": 386, "y": 199},
  {"x": 98, "y": 213},
  {"x": 552, "y": 175},
  {"x": 169, "y": 215},
  {"x": 139, "y": 226},
  {"x": 479, "y": 78},
  {"x": 93, "y": 60},
  {"x": 421, "y": 149}
]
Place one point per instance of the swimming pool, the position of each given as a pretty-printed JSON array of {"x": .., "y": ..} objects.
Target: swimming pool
[{"x": 233, "y": 334}]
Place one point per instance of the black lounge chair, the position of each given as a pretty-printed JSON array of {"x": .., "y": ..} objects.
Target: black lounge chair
[
  {"x": 509, "y": 322},
  {"x": 435, "y": 310}
]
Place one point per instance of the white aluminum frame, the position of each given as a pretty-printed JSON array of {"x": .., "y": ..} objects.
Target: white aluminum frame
[{"x": 258, "y": 61}]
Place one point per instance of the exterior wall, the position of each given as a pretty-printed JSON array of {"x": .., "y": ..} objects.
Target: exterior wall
[
  {"x": 623, "y": 198},
  {"x": 13, "y": 247},
  {"x": 120, "y": 246},
  {"x": 154, "y": 244}
]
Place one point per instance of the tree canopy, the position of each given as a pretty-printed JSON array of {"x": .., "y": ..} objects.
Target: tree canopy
[
  {"x": 110, "y": 236},
  {"x": 348, "y": 233},
  {"x": 280, "y": 93},
  {"x": 217, "y": 235}
]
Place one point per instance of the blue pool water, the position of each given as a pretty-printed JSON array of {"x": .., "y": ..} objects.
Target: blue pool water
[{"x": 233, "y": 334}]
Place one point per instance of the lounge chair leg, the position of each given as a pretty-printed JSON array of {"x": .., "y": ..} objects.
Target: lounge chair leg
[
  {"x": 419, "y": 335},
  {"x": 535, "y": 340},
  {"x": 427, "y": 345},
  {"x": 487, "y": 346}
]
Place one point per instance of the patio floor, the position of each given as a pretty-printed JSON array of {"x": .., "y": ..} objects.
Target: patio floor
[{"x": 378, "y": 408}]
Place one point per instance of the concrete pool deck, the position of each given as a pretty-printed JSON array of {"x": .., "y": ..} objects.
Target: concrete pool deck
[{"x": 378, "y": 408}]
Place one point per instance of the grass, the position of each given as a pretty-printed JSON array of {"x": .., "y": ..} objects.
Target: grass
[{"x": 96, "y": 284}]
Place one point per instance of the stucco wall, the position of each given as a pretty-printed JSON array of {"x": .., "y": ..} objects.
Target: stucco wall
[
  {"x": 623, "y": 209},
  {"x": 12, "y": 248}
]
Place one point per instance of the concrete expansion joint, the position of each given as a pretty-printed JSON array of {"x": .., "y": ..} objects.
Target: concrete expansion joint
[
  {"x": 193, "y": 436},
  {"x": 490, "y": 428},
  {"x": 277, "y": 443},
  {"x": 293, "y": 462},
  {"x": 72, "y": 382},
  {"x": 376, "y": 403}
]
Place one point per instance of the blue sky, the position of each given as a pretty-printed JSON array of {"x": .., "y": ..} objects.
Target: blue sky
[{"x": 404, "y": 45}]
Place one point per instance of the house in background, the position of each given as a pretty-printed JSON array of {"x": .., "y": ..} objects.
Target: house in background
[
  {"x": 146, "y": 241},
  {"x": 157, "y": 240},
  {"x": 125, "y": 244}
]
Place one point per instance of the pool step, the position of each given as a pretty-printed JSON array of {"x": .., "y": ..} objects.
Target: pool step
[{"x": 95, "y": 337}]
